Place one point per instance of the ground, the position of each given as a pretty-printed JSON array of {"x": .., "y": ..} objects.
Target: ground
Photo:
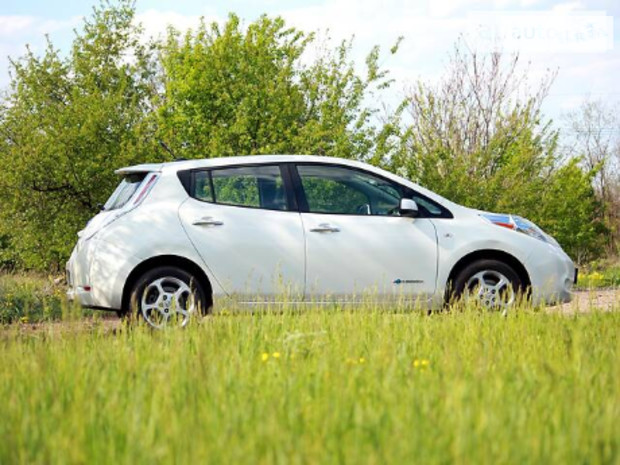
[
  {"x": 323, "y": 385},
  {"x": 585, "y": 300}
]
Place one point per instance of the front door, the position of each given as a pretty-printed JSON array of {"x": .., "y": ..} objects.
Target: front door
[{"x": 357, "y": 245}]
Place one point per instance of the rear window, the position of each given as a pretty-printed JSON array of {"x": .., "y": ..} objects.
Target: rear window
[{"x": 125, "y": 191}]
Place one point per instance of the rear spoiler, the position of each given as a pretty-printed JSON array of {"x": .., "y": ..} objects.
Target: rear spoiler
[{"x": 144, "y": 168}]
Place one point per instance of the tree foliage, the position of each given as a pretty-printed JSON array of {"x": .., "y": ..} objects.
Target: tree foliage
[
  {"x": 593, "y": 135},
  {"x": 68, "y": 121},
  {"x": 480, "y": 139},
  {"x": 230, "y": 90}
]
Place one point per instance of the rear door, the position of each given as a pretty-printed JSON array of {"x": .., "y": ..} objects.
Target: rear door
[
  {"x": 245, "y": 225},
  {"x": 357, "y": 245}
]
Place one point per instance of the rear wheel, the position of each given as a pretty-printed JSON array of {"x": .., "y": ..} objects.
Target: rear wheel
[
  {"x": 168, "y": 296},
  {"x": 493, "y": 284}
]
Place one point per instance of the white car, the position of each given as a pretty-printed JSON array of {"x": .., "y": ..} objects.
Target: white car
[{"x": 176, "y": 238}]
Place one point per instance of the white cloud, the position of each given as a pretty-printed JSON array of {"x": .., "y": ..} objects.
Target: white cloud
[
  {"x": 14, "y": 27},
  {"x": 430, "y": 28},
  {"x": 18, "y": 30}
]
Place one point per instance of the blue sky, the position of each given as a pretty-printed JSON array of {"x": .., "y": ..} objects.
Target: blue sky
[{"x": 429, "y": 27}]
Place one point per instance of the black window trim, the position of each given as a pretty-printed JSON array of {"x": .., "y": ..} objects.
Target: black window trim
[
  {"x": 303, "y": 202},
  {"x": 295, "y": 196},
  {"x": 188, "y": 179}
]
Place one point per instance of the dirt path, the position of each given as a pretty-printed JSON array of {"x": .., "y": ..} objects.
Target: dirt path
[{"x": 584, "y": 301}]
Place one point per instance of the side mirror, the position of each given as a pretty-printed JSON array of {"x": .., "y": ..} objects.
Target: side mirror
[{"x": 408, "y": 208}]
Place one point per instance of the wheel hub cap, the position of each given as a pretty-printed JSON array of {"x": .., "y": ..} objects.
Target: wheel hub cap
[
  {"x": 167, "y": 299},
  {"x": 491, "y": 289}
]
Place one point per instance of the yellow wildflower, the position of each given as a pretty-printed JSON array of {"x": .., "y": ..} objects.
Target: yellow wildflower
[
  {"x": 276, "y": 355},
  {"x": 265, "y": 357}
]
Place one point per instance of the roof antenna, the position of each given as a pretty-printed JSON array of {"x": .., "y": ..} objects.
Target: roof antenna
[{"x": 169, "y": 150}]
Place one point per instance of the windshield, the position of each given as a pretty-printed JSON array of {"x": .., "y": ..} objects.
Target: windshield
[{"x": 125, "y": 190}]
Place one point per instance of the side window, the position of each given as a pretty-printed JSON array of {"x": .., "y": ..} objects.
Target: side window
[
  {"x": 245, "y": 186},
  {"x": 425, "y": 205},
  {"x": 202, "y": 186},
  {"x": 332, "y": 189}
]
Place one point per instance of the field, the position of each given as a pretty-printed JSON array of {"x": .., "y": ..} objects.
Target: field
[{"x": 320, "y": 386}]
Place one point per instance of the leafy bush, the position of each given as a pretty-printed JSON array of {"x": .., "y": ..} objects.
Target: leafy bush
[
  {"x": 600, "y": 277},
  {"x": 30, "y": 299}
]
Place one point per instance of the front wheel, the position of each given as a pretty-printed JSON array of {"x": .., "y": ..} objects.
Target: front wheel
[
  {"x": 492, "y": 284},
  {"x": 167, "y": 296}
]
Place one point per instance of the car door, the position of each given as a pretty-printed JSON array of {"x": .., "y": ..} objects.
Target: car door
[
  {"x": 241, "y": 221},
  {"x": 357, "y": 245}
]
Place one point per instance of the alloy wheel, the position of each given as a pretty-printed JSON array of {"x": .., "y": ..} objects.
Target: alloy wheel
[
  {"x": 167, "y": 300},
  {"x": 491, "y": 289}
]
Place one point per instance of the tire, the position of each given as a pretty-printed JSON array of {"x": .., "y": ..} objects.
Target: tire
[
  {"x": 491, "y": 283},
  {"x": 168, "y": 296}
]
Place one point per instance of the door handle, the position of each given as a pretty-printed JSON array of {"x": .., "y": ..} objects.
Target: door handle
[
  {"x": 207, "y": 221},
  {"x": 325, "y": 228}
]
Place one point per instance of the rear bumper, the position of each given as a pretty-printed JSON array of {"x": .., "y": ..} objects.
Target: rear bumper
[
  {"x": 96, "y": 274},
  {"x": 84, "y": 298},
  {"x": 78, "y": 274}
]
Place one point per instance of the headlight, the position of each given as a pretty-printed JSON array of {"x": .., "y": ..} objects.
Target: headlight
[{"x": 516, "y": 223}]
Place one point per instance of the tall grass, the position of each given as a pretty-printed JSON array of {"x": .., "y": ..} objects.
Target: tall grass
[
  {"x": 30, "y": 298},
  {"x": 318, "y": 386},
  {"x": 607, "y": 277}
]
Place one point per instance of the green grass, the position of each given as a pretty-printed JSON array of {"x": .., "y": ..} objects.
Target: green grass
[
  {"x": 604, "y": 277},
  {"x": 30, "y": 298},
  {"x": 319, "y": 386}
]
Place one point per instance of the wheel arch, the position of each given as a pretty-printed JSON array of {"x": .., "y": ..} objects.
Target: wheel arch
[
  {"x": 166, "y": 260},
  {"x": 489, "y": 254}
]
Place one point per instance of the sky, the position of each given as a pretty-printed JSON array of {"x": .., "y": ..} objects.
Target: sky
[{"x": 578, "y": 38}]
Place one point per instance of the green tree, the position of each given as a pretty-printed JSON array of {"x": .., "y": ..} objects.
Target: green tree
[
  {"x": 66, "y": 124},
  {"x": 230, "y": 90},
  {"x": 480, "y": 140},
  {"x": 68, "y": 121},
  {"x": 594, "y": 137},
  {"x": 567, "y": 206}
]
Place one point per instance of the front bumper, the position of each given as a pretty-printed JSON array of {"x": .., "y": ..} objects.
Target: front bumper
[{"x": 552, "y": 275}]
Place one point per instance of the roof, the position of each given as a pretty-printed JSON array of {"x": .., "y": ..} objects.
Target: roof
[
  {"x": 225, "y": 161},
  {"x": 178, "y": 165}
]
